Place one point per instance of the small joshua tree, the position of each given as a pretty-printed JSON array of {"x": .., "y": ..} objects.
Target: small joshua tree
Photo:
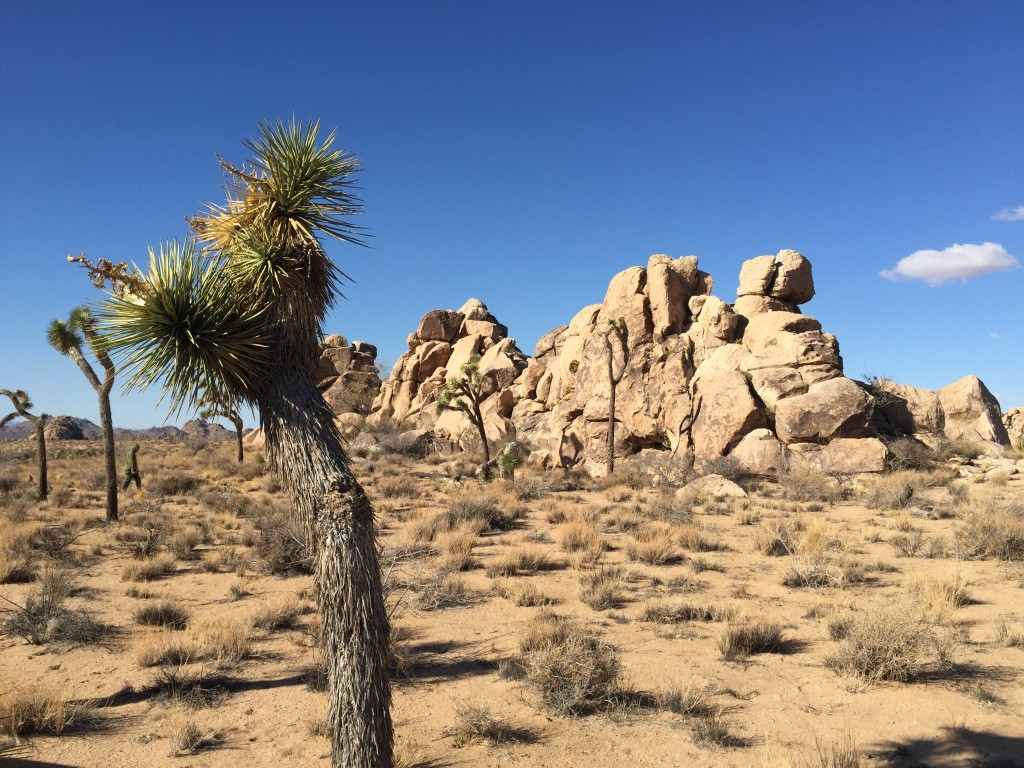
[
  {"x": 465, "y": 394},
  {"x": 220, "y": 410},
  {"x": 20, "y": 400},
  {"x": 68, "y": 338},
  {"x": 616, "y": 329}
]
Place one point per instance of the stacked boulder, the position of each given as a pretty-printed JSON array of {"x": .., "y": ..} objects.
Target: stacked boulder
[
  {"x": 1013, "y": 422},
  {"x": 347, "y": 374},
  {"x": 696, "y": 379},
  {"x": 963, "y": 410},
  {"x": 446, "y": 341}
]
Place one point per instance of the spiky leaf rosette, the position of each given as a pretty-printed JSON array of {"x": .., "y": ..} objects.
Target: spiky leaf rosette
[
  {"x": 63, "y": 337},
  {"x": 188, "y": 327}
]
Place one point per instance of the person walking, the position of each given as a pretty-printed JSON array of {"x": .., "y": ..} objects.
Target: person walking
[{"x": 131, "y": 469}]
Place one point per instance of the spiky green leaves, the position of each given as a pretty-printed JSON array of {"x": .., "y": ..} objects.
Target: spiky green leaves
[
  {"x": 189, "y": 327},
  {"x": 63, "y": 337}
]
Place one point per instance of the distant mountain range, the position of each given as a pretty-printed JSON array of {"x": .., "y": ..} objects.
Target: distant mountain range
[{"x": 193, "y": 428}]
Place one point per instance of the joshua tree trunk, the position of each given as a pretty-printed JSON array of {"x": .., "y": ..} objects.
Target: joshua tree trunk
[
  {"x": 41, "y": 445},
  {"x": 237, "y": 421},
  {"x": 478, "y": 420},
  {"x": 305, "y": 448},
  {"x": 110, "y": 465},
  {"x": 611, "y": 411}
]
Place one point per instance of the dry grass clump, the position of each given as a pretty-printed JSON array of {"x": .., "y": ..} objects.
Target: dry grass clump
[
  {"x": 681, "y": 611},
  {"x": 455, "y": 549},
  {"x": 774, "y": 539},
  {"x": 892, "y": 491},
  {"x": 16, "y": 569},
  {"x": 282, "y": 614},
  {"x": 579, "y": 534},
  {"x": 281, "y": 547},
  {"x": 443, "y": 591},
  {"x": 224, "y": 641},
  {"x": 991, "y": 529},
  {"x": 602, "y": 589},
  {"x": 744, "y": 638},
  {"x": 162, "y": 614},
  {"x": 149, "y": 569},
  {"x": 809, "y": 484},
  {"x": 1010, "y": 632},
  {"x": 524, "y": 594},
  {"x": 44, "y": 618},
  {"x": 476, "y": 721},
  {"x": 943, "y": 596},
  {"x": 172, "y": 483},
  {"x": 693, "y": 538},
  {"x": 38, "y": 710},
  {"x": 574, "y": 671},
  {"x": 670, "y": 508},
  {"x": 654, "y": 544},
  {"x": 710, "y": 730},
  {"x": 522, "y": 560},
  {"x": 884, "y": 644},
  {"x": 820, "y": 559},
  {"x": 184, "y": 735},
  {"x": 401, "y": 487},
  {"x": 688, "y": 699}
]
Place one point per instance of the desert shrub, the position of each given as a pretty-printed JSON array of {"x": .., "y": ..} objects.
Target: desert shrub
[
  {"x": 728, "y": 467},
  {"x": 173, "y": 483},
  {"x": 774, "y": 539},
  {"x": 684, "y": 699},
  {"x": 475, "y": 721},
  {"x": 28, "y": 710},
  {"x": 991, "y": 529},
  {"x": 182, "y": 544},
  {"x": 944, "y": 597},
  {"x": 522, "y": 560},
  {"x": 745, "y": 638},
  {"x": 443, "y": 591},
  {"x": 881, "y": 645},
  {"x": 281, "y": 548},
  {"x": 893, "y": 491},
  {"x": 711, "y": 730},
  {"x": 8, "y": 483},
  {"x": 456, "y": 549},
  {"x": 958, "y": 447},
  {"x": 808, "y": 484},
  {"x": 144, "y": 528},
  {"x": 654, "y": 544},
  {"x": 16, "y": 569},
  {"x": 574, "y": 671},
  {"x": 819, "y": 559},
  {"x": 496, "y": 513},
  {"x": 1010, "y": 632},
  {"x": 693, "y": 538},
  {"x": 524, "y": 594},
  {"x": 401, "y": 487},
  {"x": 907, "y": 544},
  {"x": 162, "y": 614},
  {"x": 908, "y": 453},
  {"x": 184, "y": 734},
  {"x": 531, "y": 488},
  {"x": 149, "y": 569},
  {"x": 44, "y": 618},
  {"x": 283, "y": 614},
  {"x": 225, "y": 641},
  {"x": 602, "y": 589},
  {"x": 682, "y": 611},
  {"x": 54, "y": 541}
]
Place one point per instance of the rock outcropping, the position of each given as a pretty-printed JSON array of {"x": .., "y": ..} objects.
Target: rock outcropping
[
  {"x": 699, "y": 379},
  {"x": 347, "y": 374}
]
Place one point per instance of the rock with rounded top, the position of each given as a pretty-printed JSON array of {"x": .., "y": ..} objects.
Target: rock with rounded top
[
  {"x": 1013, "y": 423},
  {"x": 439, "y": 325},
  {"x": 757, "y": 276},
  {"x": 760, "y": 453},
  {"x": 670, "y": 283},
  {"x": 750, "y": 305},
  {"x": 711, "y": 486},
  {"x": 626, "y": 300},
  {"x": 474, "y": 309},
  {"x": 972, "y": 412},
  {"x": 548, "y": 343},
  {"x": 900, "y": 408},
  {"x": 793, "y": 279},
  {"x": 724, "y": 411},
  {"x": 829, "y": 409},
  {"x": 719, "y": 318}
]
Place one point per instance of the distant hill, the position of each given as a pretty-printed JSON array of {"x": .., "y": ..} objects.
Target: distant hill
[{"x": 195, "y": 428}]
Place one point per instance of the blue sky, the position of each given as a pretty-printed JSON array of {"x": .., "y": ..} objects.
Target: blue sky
[{"x": 525, "y": 152}]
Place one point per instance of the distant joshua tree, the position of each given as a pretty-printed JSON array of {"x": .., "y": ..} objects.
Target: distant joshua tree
[
  {"x": 20, "y": 400},
  {"x": 465, "y": 394},
  {"x": 234, "y": 316},
  {"x": 67, "y": 337},
  {"x": 226, "y": 411},
  {"x": 616, "y": 328}
]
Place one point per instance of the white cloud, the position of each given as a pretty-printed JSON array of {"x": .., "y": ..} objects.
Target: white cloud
[
  {"x": 995, "y": 335},
  {"x": 958, "y": 262},
  {"x": 1010, "y": 214}
]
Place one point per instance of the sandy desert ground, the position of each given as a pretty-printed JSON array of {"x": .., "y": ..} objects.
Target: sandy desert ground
[{"x": 552, "y": 621}]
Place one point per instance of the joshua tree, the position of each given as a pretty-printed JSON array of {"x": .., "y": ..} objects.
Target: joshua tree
[
  {"x": 616, "y": 328},
  {"x": 465, "y": 394},
  {"x": 226, "y": 411},
  {"x": 234, "y": 316},
  {"x": 20, "y": 400},
  {"x": 68, "y": 338}
]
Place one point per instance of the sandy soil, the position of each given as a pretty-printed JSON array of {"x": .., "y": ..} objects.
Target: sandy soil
[{"x": 962, "y": 705}]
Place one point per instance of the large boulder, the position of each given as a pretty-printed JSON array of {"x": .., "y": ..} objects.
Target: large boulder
[
  {"x": 972, "y": 412},
  {"x": 793, "y": 279},
  {"x": 440, "y": 325},
  {"x": 909, "y": 410},
  {"x": 1013, "y": 422},
  {"x": 760, "y": 453},
  {"x": 724, "y": 410},
  {"x": 829, "y": 409}
]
